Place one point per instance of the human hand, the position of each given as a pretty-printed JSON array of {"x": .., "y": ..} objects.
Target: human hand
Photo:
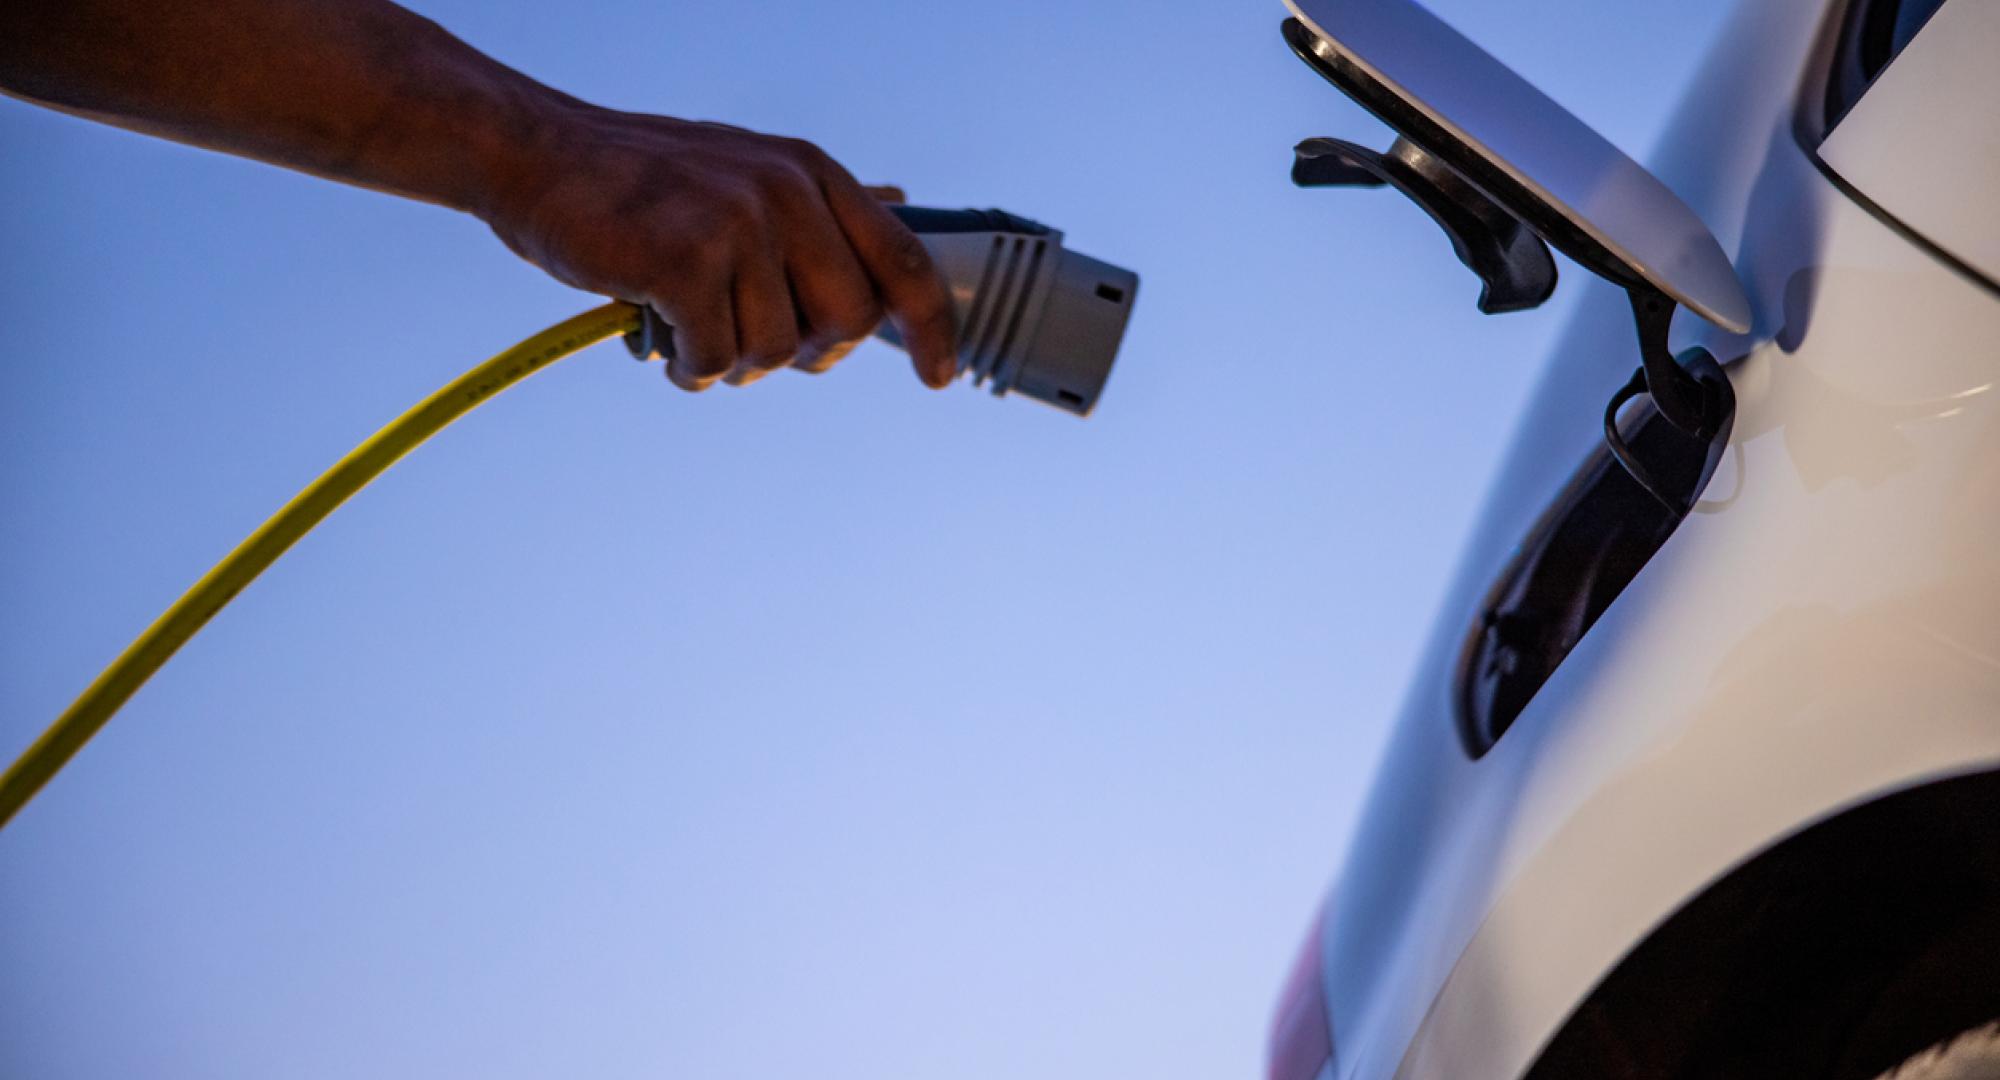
[{"x": 761, "y": 252}]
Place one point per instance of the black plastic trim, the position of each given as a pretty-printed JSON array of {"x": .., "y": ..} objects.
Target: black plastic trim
[{"x": 1514, "y": 267}]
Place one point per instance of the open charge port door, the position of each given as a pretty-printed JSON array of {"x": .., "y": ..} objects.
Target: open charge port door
[{"x": 1508, "y": 174}]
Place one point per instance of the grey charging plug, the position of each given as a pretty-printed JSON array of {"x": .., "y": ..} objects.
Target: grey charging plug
[{"x": 1033, "y": 317}]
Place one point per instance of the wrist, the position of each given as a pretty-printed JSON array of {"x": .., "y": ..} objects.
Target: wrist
[{"x": 521, "y": 156}]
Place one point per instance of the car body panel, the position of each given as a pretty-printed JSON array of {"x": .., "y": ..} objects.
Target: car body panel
[
  {"x": 1819, "y": 632},
  {"x": 1907, "y": 145}
]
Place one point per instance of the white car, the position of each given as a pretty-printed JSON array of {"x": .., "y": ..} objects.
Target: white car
[{"x": 1700, "y": 774}]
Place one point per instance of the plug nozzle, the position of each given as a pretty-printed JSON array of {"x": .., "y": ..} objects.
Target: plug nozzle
[{"x": 1033, "y": 317}]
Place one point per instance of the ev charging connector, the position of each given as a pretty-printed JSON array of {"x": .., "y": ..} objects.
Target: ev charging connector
[{"x": 1033, "y": 317}]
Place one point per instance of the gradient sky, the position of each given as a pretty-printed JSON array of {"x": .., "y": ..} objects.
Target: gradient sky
[{"x": 828, "y": 728}]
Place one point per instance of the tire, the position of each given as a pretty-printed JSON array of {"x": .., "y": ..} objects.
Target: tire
[{"x": 1969, "y": 1055}]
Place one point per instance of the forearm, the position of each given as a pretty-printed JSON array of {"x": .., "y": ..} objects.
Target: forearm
[
  {"x": 360, "y": 91},
  {"x": 761, "y": 252}
]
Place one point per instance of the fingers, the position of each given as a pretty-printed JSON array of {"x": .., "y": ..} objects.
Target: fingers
[
  {"x": 767, "y": 323},
  {"x": 767, "y": 255},
  {"x": 835, "y": 297},
  {"x": 822, "y": 363},
  {"x": 704, "y": 339},
  {"x": 901, "y": 270}
]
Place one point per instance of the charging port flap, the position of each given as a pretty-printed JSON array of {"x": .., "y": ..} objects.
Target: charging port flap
[
  {"x": 1508, "y": 174},
  {"x": 1519, "y": 149}
]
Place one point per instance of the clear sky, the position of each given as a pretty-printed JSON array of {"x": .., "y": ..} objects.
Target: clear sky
[{"x": 828, "y": 728}]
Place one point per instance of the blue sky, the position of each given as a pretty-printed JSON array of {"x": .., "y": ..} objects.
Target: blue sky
[{"x": 828, "y": 726}]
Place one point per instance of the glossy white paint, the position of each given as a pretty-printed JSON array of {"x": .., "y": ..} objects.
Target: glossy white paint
[
  {"x": 1914, "y": 143},
  {"x": 1559, "y": 159},
  {"x": 1820, "y": 632}
]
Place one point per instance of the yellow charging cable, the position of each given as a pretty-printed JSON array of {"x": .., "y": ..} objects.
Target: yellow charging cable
[{"x": 89, "y": 713}]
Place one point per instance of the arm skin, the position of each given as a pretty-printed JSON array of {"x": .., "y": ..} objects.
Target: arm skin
[{"x": 760, "y": 251}]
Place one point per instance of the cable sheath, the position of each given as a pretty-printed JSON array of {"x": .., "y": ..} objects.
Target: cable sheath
[{"x": 118, "y": 682}]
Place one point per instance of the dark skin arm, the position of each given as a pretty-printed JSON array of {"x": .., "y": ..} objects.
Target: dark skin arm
[{"x": 762, "y": 252}]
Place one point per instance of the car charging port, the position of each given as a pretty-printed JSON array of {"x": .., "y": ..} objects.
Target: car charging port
[{"x": 1613, "y": 516}]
